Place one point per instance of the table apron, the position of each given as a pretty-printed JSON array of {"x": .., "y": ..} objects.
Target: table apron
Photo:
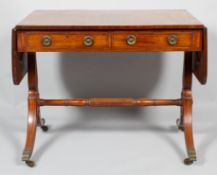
[{"x": 109, "y": 41}]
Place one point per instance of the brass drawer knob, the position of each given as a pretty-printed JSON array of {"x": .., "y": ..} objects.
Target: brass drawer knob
[
  {"x": 46, "y": 41},
  {"x": 88, "y": 41},
  {"x": 131, "y": 40},
  {"x": 172, "y": 39}
]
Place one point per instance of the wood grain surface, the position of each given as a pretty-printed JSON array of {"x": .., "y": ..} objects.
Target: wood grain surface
[{"x": 102, "y": 19}]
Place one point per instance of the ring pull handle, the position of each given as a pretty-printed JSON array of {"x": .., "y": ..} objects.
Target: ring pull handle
[
  {"x": 172, "y": 40},
  {"x": 88, "y": 41},
  {"x": 46, "y": 41},
  {"x": 131, "y": 40}
]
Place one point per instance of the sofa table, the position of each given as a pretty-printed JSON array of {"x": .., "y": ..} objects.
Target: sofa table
[{"x": 109, "y": 31}]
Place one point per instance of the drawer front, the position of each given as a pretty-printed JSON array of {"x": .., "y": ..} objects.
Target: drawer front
[
  {"x": 62, "y": 41},
  {"x": 120, "y": 41},
  {"x": 157, "y": 41}
]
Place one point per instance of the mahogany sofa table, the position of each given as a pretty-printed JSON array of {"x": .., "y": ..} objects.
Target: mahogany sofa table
[{"x": 109, "y": 31}]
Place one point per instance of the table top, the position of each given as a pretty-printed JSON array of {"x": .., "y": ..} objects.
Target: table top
[{"x": 108, "y": 20}]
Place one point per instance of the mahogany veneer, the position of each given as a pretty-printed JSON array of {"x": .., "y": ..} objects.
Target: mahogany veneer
[{"x": 109, "y": 31}]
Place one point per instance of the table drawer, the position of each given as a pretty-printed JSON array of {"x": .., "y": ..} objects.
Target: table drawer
[
  {"x": 157, "y": 40},
  {"x": 62, "y": 41},
  {"x": 123, "y": 41}
]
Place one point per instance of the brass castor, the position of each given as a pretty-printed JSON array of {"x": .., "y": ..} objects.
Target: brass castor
[
  {"x": 30, "y": 163},
  {"x": 43, "y": 126},
  {"x": 188, "y": 161},
  {"x": 179, "y": 124}
]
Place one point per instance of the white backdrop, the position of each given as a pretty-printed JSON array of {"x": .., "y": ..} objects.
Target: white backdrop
[{"x": 65, "y": 75}]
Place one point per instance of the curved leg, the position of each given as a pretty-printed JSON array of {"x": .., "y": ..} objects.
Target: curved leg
[
  {"x": 179, "y": 121},
  {"x": 34, "y": 118},
  {"x": 31, "y": 129},
  {"x": 41, "y": 121},
  {"x": 186, "y": 116},
  {"x": 188, "y": 131}
]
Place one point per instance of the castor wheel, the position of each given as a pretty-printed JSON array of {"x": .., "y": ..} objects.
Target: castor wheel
[
  {"x": 30, "y": 163},
  {"x": 179, "y": 125},
  {"x": 188, "y": 161},
  {"x": 44, "y": 128}
]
